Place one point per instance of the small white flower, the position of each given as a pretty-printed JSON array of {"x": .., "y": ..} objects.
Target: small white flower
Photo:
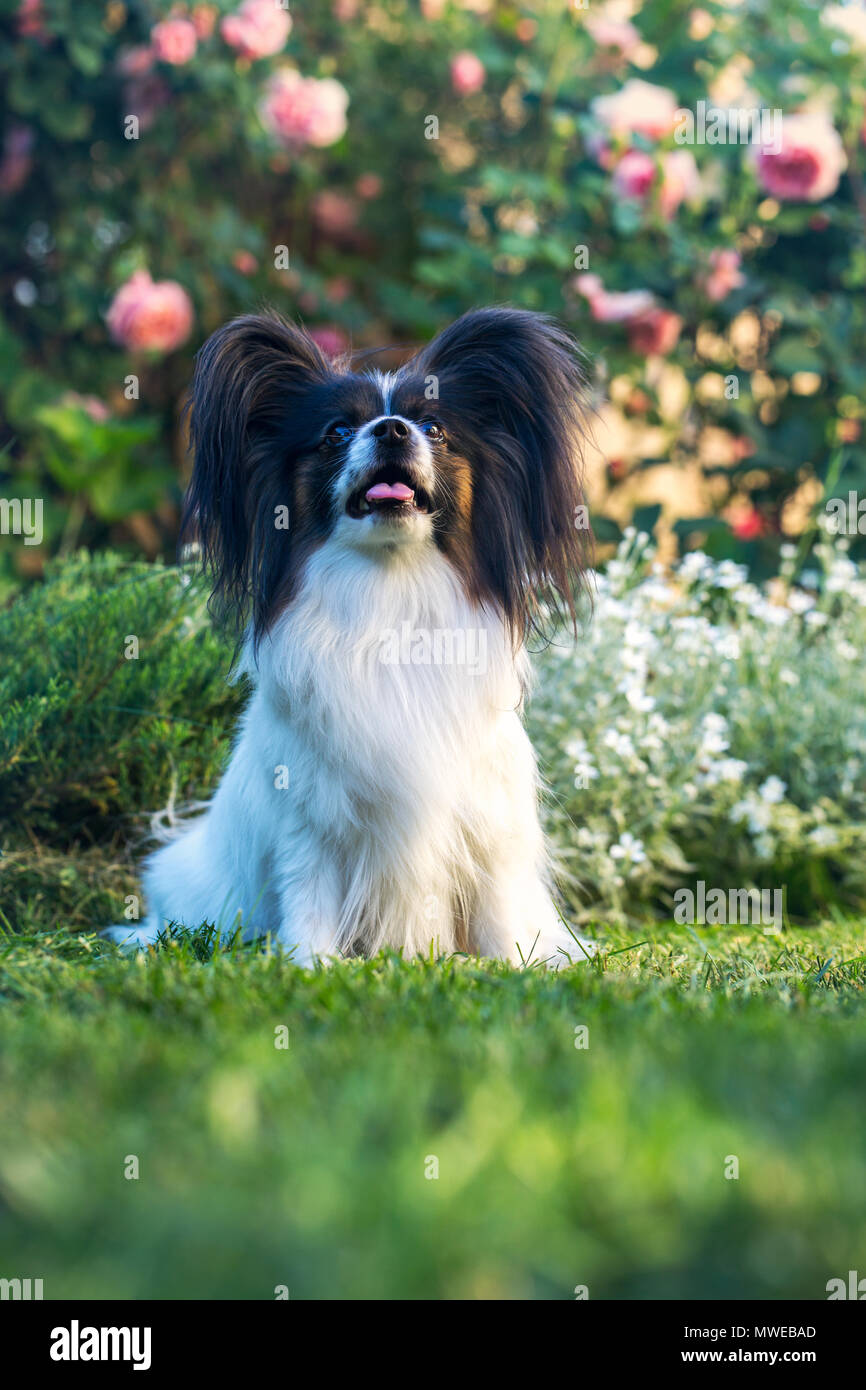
[
  {"x": 800, "y": 602},
  {"x": 823, "y": 837},
  {"x": 773, "y": 790},
  {"x": 628, "y": 848}
]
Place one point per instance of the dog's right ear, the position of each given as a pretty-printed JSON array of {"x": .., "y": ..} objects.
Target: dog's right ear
[{"x": 250, "y": 377}]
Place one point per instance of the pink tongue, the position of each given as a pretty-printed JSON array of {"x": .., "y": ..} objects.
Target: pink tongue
[{"x": 398, "y": 492}]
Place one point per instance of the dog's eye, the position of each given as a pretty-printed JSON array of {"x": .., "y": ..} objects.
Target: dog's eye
[
  {"x": 339, "y": 433},
  {"x": 432, "y": 430}
]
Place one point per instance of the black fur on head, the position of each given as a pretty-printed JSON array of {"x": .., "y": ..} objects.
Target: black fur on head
[
  {"x": 255, "y": 379},
  {"x": 274, "y": 424},
  {"x": 512, "y": 398}
]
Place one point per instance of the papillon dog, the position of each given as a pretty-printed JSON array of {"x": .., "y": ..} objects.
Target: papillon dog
[{"x": 386, "y": 543}]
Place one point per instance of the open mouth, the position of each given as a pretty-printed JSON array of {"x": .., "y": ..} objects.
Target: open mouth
[{"x": 391, "y": 492}]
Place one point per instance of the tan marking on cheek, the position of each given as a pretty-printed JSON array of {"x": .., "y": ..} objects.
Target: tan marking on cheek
[{"x": 461, "y": 486}]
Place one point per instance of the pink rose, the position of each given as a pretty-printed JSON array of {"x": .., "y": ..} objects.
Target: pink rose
[
  {"x": 30, "y": 20},
  {"x": 368, "y": 186},
  {"x": 809, "y": 163},
  {"x": 634, "y": 175},
  {"x": 612, "y": 33},
  {"x": 680, "y": 181},
  {"x": 135, "y": 62},
  {"x": 334, "y": 213},
  {"x": 332, "y": 341},
  {"x": 147, "y": 315},
  {"x": 467, "y": 73},
  {"x": 174, "y": 41},
  {"x": 655, "y": 332},
  {"x": 638, "y": 108},
  {"x": 724, "y": 274},
  {"x": 747, "y": 523},
  {"x": 612, "y": 306},
  {"x": 245, "y": 262},
  {"x": 338, "y": 289},
  {"x": 91, "y": 405},
  {"x": 304, "y": 110},
  {"x": 258, "y": 29}
]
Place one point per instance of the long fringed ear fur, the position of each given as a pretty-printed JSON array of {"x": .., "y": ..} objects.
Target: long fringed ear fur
[
  {"x": 248, "y": 377},
  {"x": 515, "y": 376}
]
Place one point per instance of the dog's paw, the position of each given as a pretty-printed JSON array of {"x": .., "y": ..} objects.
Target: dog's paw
[{"x": 565, "y": 949}]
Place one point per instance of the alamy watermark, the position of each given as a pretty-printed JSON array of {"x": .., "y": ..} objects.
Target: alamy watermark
[
  {"x": 718, "y": 907},
  {"x": 439, "y": 646},
  {"x": 846, "y": 518},
  {"x": 22, "y": 517},
  {"x": 730, "y": 125}
]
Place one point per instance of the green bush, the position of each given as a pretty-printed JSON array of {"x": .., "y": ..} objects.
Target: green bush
[{"x": 701, "y": 728}]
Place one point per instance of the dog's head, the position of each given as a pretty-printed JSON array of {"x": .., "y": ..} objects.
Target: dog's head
[{"x": 472, "y": 447}]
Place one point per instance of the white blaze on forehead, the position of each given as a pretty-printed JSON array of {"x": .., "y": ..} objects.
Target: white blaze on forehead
[{"x": 385, "y": 382}]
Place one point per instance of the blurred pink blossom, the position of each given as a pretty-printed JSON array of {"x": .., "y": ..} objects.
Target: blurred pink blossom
[
  {"x": 681, "y": 182},
  {"x": 724, "y": 274},
  {"x": 332, "y": 341},
  {"x": 746, "y": 522},
  {"x": 338, "y": 289},
  {"x": 613, "y": 33},
  {"x": 634, "y": 175},
  {"x": 304, "y": 110},
  {"x": 136, "y": 61},
  {"x": 245, "y": 262},
  {"x": 258, "y": 29},
  {"x": 17, "y": 158},
  {"x": 655, "y": 332},
  {"x": 809, "y": 163},
  {"x": 652, "y": 330},
  {"x": 148, "y": 315},
  {"x": 30, "y": 20},
  {"x": 334, "y": 213},
  {"x": 174, "y": 41},
  {"x": 467, "y": 73},
  {"x": 368, "y": 186},
  {"x": 612, "y": 306},
  {"x": 91, "y": 405},
  {"x": 638, "y": 108}
]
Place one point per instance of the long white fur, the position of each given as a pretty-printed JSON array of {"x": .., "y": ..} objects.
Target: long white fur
[{"x": 369, "y": 803}]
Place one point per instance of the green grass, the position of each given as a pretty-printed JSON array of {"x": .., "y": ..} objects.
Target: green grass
[{"x": 558, "y": 1166}]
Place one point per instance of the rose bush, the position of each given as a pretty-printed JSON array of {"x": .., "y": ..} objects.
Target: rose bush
[{"x": 376, "y": 168}]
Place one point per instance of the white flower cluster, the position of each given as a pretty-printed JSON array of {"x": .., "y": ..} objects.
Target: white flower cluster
[{"x": 706, "y": 726}]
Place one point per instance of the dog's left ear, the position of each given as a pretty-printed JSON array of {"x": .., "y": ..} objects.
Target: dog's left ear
[{"x": 514, "y": 379}]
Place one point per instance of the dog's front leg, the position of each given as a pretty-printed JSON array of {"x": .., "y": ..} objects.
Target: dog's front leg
[
  {"x": 308, "y": 894},
  {"x": 516, "y": 920}
]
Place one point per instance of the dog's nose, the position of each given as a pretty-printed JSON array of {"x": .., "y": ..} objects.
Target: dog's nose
[{"x": 391, "y": 430}]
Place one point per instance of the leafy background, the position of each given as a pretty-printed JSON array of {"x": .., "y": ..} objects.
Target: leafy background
[{"x": 391, "y": 234}]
